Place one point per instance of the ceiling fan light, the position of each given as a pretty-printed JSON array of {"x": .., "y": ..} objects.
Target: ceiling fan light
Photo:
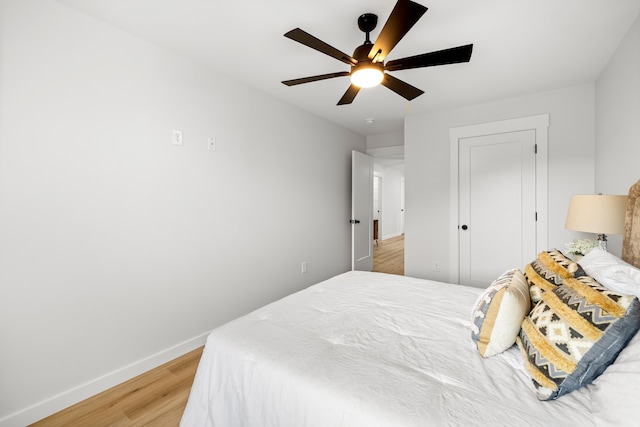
[{"x": 367, "y": 76}]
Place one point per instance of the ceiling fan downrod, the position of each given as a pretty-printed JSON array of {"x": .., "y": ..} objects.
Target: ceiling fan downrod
[{"x": 367, "y": 22}]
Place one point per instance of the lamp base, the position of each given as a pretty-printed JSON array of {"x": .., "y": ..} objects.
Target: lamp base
[{"x": 602, "y": 242}]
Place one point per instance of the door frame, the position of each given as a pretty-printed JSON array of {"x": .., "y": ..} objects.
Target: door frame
[
  {"x": 540, "y": 124},
  {"x": 380, "y": 177},
  {"x": 402, "y": 205}
]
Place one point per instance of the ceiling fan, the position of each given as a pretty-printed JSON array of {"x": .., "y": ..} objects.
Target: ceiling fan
[{"x": 367, "y": 64}]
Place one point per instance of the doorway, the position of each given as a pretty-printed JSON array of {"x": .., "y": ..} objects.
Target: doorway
[
  {"x": 388, "y": 248},
  {"x": 386, "y": 206},
  {"x": 388, "y": 256}
]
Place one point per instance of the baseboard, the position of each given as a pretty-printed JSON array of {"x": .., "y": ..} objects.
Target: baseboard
[
  {"x": 77, "y": 394},
  {"x": 390, "y": 236}
]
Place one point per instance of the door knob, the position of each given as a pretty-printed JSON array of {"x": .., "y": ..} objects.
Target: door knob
[{"x": 464, "y": 227}]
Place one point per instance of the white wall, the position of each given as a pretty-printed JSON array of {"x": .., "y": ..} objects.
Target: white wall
[
  {"x": 570, "y": 164},
  {"x": 618, "y": 122},
  {"x": 118, "y": 250},
  {"x": 382, "y": 140},
  {"x": 618, "y": 117}
]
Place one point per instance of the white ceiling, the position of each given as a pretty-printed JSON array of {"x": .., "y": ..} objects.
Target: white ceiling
[{"x": 520, "y": 47}]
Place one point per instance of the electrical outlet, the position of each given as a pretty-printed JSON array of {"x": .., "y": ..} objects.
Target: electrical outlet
[
  {"x": 304, "y": 266},
  {"x": 211, "y": 143},
  {"x": 436, "y": 266},
  {"x": 176, "y": 137}
]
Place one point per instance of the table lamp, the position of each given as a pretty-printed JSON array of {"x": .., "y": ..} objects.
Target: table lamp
[{"x": 597, "y": 213}]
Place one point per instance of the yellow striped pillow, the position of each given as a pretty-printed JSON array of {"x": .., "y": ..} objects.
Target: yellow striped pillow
[{"x": 549, "y": 270}]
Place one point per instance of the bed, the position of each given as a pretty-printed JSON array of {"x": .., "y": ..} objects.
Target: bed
[{"x": 373, "y": 349}]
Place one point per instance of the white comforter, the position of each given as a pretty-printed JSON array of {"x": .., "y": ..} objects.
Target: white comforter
[{"x": 369, "y": 349}]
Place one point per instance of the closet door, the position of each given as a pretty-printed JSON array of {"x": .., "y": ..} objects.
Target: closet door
[{"x": 497, "y": 205}]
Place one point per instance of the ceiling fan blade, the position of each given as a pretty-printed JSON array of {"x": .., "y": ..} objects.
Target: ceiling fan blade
[
  {"x": 403, "y": 16},
  {"x": 401, "y": 88},
  {"x": 314, "y": 43},
  {"x": 349, "y": 95},
  {"x": 294, "y": 82},
  {"x": 453, "y": 55}
]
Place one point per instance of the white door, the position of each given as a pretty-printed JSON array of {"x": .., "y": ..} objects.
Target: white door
[
  {"x": 497, "y": 179},
  {"x": 361, "y": 211},
  {"x": 377, "y": 197},
  {"x": 402, "y": 205}
]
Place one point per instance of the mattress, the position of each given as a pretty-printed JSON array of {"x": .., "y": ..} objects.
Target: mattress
[{"x": 373, "y": 349}]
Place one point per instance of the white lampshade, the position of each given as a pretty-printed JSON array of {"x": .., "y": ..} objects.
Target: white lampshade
[{"x": 597, "y": 213}]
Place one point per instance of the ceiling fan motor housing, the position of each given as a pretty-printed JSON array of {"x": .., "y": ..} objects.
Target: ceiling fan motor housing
[{"x": 361, "y": 54}]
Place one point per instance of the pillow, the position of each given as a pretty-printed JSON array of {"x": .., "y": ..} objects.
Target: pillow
[
  {"x": 548, "y": 271},
  {"x": 574, "y": 333},
  {"x": 612, "y": 272},
  {"x": 499, "y": 312}
]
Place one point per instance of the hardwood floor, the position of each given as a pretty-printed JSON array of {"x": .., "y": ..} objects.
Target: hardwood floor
[
  {"x": 158, "y": 397},
  {"x": 388, "y": 255},
  {"x": 155, "y": 398}
]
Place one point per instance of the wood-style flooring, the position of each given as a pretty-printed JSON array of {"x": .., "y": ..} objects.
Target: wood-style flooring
[
  {"x": 388, "y": 255},
  {"x": 157, "y": 398}
]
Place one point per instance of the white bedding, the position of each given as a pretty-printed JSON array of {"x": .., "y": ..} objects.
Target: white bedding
[{"x": 372, "y": 349}]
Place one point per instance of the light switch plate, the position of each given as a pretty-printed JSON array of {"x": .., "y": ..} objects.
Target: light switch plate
[{"x": 176, "y": 137}]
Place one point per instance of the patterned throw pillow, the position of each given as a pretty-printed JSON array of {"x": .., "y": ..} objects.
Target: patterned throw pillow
[
  {"x": 499, "y": 312},
  {"x": 548, "y": 271},
  {"x": 574, "y": 333}
]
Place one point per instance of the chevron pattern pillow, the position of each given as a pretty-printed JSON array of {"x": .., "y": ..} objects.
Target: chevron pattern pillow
[
  {"x": 574, "y": 333},
  {"x": 548, "y": 271}
]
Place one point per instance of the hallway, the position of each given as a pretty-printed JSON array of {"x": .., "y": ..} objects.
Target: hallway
[{"x": 388, "y": 255}]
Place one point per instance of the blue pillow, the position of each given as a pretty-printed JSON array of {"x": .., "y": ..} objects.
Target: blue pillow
[{"x": 574, "y": 333}]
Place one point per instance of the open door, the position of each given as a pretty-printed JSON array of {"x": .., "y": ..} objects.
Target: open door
[{"x": 361, "y": 211}]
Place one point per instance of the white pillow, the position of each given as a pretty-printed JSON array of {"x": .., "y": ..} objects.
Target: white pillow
[
  {"x": 498, "y": 313},
  {"x": 612, "y": 272}
]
